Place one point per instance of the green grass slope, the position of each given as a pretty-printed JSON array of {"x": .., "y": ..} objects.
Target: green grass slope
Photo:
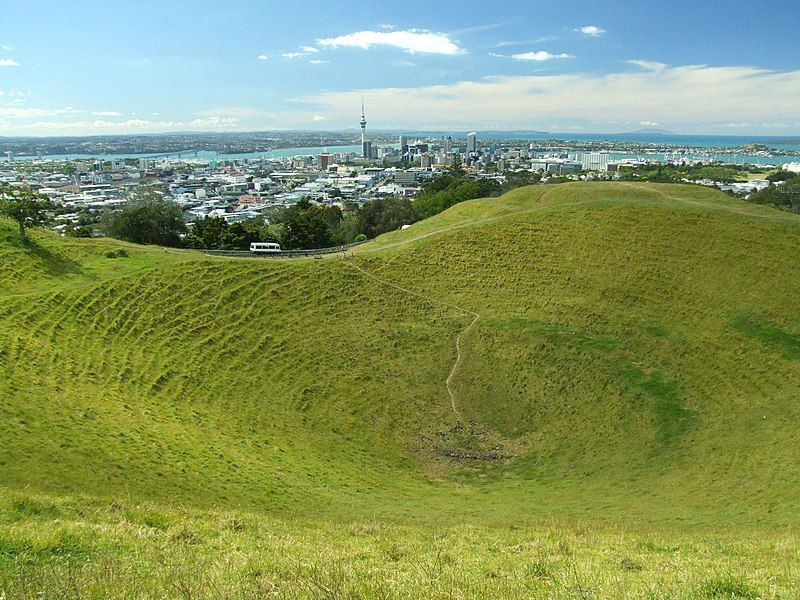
[
  {"x": 634, "y": 340},
  {"x": 635, "y": 362}
]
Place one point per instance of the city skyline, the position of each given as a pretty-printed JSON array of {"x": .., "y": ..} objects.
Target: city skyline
[{"x": 108, "y": 69}]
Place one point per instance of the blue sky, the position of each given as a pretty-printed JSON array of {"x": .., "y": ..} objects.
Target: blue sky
[{"x": 77, "y": 68}]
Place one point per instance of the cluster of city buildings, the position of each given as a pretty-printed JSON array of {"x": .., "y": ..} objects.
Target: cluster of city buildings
[{"x": 244, "y": 188}]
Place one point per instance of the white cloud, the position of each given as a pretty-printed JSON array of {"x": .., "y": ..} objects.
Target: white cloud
[
  {"x": 539, "y": 40},
  {"x": 27, "y": 113},
  {"x": 263, "y": 57},
  {"x": 539, "y": 56},
  {"x": 692, "y": 97},
  {"x": 239, "y": 112},
  {"x": 477, "y": 28},
  {"x": 8, "y": 62},
  {"x": 106, "y": 113},
  {"x": 215, "y": 123},
  {"x": 318, "y": 62},
  {"x": 97, "y": 126},
  {"x": 304, "y": 51},
  {"x": 5, "y": 47},
  {"x": 591, "y": 30},
  {"x": 411, "y": 40},
  {"x": 649, "y": 65}
]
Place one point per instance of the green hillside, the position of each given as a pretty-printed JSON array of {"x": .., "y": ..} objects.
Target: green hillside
[{"x": 627, "y": 398}]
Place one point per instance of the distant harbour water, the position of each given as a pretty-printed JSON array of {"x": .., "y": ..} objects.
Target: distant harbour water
[
  {"x": 703, "y": 147},
  {"x": 205, "y": 155}
]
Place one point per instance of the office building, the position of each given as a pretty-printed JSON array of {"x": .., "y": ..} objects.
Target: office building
[
  {"x": 472, "y": 142},
  {"x": 324, "y": 161},
  {"x": 594, "y": 161}
]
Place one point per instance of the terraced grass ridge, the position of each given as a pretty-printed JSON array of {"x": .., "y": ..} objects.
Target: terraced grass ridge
[{"x": 572, "y": 391}]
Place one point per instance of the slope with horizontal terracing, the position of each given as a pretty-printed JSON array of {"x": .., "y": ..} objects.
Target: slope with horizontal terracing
[{"x": 635, "y": 357}]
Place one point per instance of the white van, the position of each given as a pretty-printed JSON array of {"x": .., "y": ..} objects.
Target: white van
[{"x": 265, "y": 247}]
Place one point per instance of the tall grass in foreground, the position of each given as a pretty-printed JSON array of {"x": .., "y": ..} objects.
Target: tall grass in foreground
[{"x": 69, "y": 547}]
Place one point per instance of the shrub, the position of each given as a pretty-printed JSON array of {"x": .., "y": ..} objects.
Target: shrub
[
  {"x": 118, "y": 253},
  {"x": 728, "y": 586}
]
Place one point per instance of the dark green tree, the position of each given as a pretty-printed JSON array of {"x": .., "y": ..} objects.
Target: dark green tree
[
  {"x": 147, "y": 218},
  {"x": 239, "y": 236},
  {"x": 456, "y": 169},
  {"x": 306, "y": 226},
  {"x": 785, "y": 196},
  {"x": 26, "y": 207},
  {"x": 207, "y": 233},
  {"x": 444, "y": 191},
  {"x": 385, "y": 214}
]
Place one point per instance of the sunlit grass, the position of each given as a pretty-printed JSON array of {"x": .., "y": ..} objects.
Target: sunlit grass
[{"x": 185, "y": 426}]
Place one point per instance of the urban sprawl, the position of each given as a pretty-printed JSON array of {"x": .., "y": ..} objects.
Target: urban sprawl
[{"x": 238, "y": 189}]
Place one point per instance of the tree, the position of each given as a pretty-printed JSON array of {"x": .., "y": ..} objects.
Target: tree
[
  {"x": 239, "y": 236},
  {"x": 346, "y": 229},
  {"x": 385, "y": 214},
  {"x": 147, "y": 218},
  {"x": 519, "y": 179},
  {"x": 785, "y": 196},
  {"x": 782, "y": 176},
  {"x": 207, "y": 233},
  {"x": 306, "y": 226},
  {"x": 456, "y": 169},
  {"x": 446, "y": 190},
  {"x": 26, "y": 207}
]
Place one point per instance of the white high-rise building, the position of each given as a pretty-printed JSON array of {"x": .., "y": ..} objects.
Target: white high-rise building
[
  {"x": 448, "y": 146},
  {"x": 594, "y": 161},
  {"x": 472, "y": 142}
]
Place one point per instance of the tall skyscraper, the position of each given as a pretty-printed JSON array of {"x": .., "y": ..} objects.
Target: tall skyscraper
[
  {"x": 448, "y": 146},
  {"x": 324, "y": 161},
  {"x": 472, "y": 142}
]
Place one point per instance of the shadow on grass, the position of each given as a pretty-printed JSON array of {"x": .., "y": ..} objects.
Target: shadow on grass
[
  {"x": 770, "y": 334},
  {"x": 52, "y": 264}
]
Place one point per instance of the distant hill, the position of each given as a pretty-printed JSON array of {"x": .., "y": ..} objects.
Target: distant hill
[{"x": 649, "y": 131}]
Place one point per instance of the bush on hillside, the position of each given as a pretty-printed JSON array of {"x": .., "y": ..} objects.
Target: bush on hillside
[
  {"x": 147, "y": 219},
  {"x": 785, "y": 196},
  {"x": 385, "y": 214},
  {"x": 448, "y": 190},
  {"x": 118, "y": 253}
]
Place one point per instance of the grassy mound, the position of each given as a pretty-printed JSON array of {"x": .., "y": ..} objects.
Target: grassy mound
[{"x": 635, "y": 362}]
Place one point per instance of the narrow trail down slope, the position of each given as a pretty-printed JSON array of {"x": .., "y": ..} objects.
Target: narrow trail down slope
[{"x": 476, "y": 316}]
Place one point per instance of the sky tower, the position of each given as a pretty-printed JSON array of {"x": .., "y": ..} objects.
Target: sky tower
[{"x": 363, "y": 131}]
